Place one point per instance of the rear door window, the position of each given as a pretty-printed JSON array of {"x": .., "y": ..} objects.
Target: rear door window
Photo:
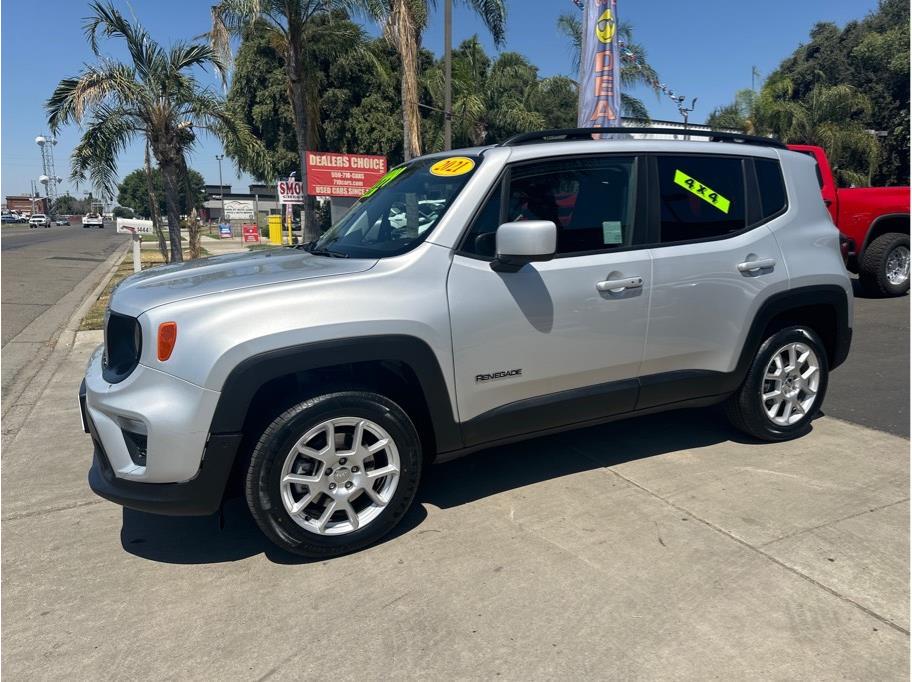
[{"x": 701, "y": 197}]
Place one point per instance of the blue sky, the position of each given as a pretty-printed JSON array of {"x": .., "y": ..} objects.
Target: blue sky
[{"x": 704, "y": 50}]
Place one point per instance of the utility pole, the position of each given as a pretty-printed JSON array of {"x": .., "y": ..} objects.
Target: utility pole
[
  {"x": 219, "y": 158},
  {"x": 448, "y": 74}
]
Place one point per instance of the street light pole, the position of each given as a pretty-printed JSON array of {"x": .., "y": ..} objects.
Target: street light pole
[
  {"x": 447, "y": 74},
  {"x": 219, "y": 158}
]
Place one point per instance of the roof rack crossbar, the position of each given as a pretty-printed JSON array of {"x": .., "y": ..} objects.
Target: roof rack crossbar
[{"x": 564, "y": 134}]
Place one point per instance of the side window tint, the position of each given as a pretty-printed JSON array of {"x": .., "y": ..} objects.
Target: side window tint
[
  {"x": 701, "y": 197},
  {"x": 480, "y": 240},
  {"x": 772, "y": 187},
  {"x": 591, "y": 200}
]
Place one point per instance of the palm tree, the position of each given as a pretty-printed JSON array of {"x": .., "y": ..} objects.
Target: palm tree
[
  {"x": 633, "y": 73},
  {"x": 154, "y": 97},
  {"x": 403, "y": 22},
  {"x": 302, "y": 32},
  {"x": 827, "y": 116}
]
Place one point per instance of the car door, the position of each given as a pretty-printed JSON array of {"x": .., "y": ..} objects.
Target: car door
[
  {"x": 714, "y": 263},
  {"x": 552, "y": 344}
]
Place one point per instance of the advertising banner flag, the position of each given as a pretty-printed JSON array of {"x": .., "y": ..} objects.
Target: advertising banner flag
[{"x": 600, "y": 69}]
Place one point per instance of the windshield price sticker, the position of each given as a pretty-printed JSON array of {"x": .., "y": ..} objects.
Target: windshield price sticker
[
  {"x": 455, "y": 165},
  {"x": 699, "y": 189},
  {"x": 385, "y": 180}
]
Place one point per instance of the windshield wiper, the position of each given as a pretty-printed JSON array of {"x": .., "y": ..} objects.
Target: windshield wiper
[{"x": 310, "y": 247}]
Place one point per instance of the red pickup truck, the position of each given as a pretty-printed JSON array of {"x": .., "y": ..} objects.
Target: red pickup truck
[{"x": 874, "y": 222}]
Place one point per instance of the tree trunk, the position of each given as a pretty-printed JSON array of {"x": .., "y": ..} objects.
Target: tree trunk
[
  {"x": 297, "y": 93},
  {"x": 407, "y": 45},
  {"x": 193, "y": 227},
  {"x": 171, "y": 180},
  {"x": 153, "y": 209}
]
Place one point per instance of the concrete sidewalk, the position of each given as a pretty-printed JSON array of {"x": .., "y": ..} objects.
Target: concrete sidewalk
[{"x": 659, "y": 548}]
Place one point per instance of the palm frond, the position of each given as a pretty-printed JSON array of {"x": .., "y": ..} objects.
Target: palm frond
[
  {"x": 493, "y": 14},
  {"x": 95, "y": 157},
  {"x": 631, "y": 107},
  {"x": 73, "y": 97},
  {"x": 572, "y": 28}
]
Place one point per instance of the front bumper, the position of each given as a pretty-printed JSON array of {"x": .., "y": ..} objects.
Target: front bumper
[{"x": 199, "y": 496}]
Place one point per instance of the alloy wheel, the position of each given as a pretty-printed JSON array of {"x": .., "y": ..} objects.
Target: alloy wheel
[
  {"x": 340, "y": 475},
  {"x": 790, "y": 383},
  {"x": 897, "y": 267}
]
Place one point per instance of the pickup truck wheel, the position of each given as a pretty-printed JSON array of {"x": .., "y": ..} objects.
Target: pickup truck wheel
[
  {"x": 334, "y": 473},
  {"x": 884, "y": 265},
  {"x": 784, "y": 388}
]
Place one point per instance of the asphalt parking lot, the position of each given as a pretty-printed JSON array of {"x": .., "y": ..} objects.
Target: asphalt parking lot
[{"x": 666, "y": 547}]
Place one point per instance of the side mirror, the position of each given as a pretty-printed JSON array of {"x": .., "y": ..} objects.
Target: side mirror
[{"x": 523, "y": 242}]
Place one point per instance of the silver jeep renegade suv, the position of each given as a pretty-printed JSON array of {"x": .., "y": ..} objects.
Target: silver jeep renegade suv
[{"x": 470, "y": 299}]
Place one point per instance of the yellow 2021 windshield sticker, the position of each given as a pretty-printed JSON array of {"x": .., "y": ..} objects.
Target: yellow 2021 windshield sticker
[
  {"x": 455, "y": 165},
  {"x": 705, "y": 193}
]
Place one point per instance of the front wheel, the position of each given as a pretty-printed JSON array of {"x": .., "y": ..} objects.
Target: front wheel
[
  {"x": 784, "y": 388},
  {"x": 334, "y": 474},
  {"x": 884, "y": 266}
]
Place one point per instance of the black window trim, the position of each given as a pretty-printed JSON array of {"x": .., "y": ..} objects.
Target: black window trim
[
  {"x": 753, "y": 207},
  {"x": 640, "y": 222},
  {"x": 785, "y": 191}
]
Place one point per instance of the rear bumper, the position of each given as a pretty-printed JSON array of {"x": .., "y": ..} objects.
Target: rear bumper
[{"x": 200, "y": 496}]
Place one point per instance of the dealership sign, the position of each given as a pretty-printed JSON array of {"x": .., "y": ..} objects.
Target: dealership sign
[
  {"x": 239, "y": 210},
  {"x": 342, "y": 175}
]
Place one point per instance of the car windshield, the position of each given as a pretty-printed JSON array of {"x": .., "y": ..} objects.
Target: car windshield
[{"x": 398, "y": 213}]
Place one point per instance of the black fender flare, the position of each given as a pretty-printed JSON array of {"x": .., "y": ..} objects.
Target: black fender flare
[
  {"x": 831, "y": 295},
  {"x": 873, "y": 226},
  {"x": 252, "y": 373}
]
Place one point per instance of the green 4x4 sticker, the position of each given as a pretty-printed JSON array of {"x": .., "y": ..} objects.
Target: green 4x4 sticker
[
  {"x": 705, "y": 193},
  {"x": 385, "y": 180}
]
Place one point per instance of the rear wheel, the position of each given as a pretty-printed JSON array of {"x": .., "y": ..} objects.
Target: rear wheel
[
  {"x": 884, "y": 266},
  {"x": 334, "y": 474},
  {"x": 784, "y": 388}
]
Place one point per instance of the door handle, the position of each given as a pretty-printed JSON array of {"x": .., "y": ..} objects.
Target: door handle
[
  {"x": 754, "y": 265},
  {"x": 617, "y": 285}
]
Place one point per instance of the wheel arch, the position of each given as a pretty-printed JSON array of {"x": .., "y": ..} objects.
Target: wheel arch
[
  {"x": 824, "y": 308},
  {"x": 890, "y": 222},
  {"x": 402, "y": 365}
]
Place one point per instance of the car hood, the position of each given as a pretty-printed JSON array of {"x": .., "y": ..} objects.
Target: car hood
[{"x": 169, "y": 283}]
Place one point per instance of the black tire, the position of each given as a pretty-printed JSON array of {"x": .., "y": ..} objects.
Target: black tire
[
  {"x": 873, "y": 266},
  {"x": 263, "y": 476},
  {"x": 745, "y": 408}
]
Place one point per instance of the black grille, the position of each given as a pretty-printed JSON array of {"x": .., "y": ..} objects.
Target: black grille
[{"x": 123, "y": 343}]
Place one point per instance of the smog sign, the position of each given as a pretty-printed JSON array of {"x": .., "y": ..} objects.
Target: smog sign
[{"x": 291, "y": 191}]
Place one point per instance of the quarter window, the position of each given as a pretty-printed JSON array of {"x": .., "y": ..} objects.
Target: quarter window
[
  {"x": 590, "y": 200},
  {"x": 702, "y": 197},
  {"x": 772, "y": 188}
]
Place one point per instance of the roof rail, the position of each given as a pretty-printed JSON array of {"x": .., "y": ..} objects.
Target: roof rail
[{"x": 564, "y": 134}]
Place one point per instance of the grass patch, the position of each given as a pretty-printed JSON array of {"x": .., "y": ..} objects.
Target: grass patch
[{"x": 94, "y": 319}]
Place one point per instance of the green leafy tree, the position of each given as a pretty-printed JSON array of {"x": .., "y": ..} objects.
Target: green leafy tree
[
  {"x": 830, "y": 117},
  {"x": 300, "y": 31},
  {"x": 133, "y": 191},
  {"x": 870, "y": 56},
  {"x": 122, "y": 212},
  {"x": 154, "y": 96},
  {"x": 403, "y": 22}
]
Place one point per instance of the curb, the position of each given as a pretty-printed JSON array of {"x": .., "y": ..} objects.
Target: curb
[{"x": 20, "y": 398}]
